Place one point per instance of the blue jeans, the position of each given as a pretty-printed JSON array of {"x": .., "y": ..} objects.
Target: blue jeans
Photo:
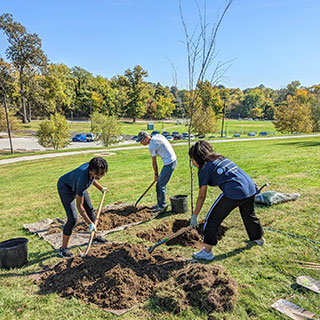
[{"x": 164, "y": 178}]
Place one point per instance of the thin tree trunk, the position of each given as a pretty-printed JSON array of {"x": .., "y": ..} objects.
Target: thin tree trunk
[
  {"x": 29, "y": 109},
  {"x": 23, "y": 103},
  {"x": 8, "y": 123}
]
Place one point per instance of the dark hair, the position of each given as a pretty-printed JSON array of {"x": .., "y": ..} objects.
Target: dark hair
[
  {"x": 96, "y": 164},
  {"x": 202, "y": 153}
]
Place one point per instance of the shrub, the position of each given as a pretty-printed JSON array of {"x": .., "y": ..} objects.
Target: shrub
[{"x": 54, "y": 133}]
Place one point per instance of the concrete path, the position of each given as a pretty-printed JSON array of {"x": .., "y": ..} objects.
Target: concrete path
[{"x": 62, "y": 154}]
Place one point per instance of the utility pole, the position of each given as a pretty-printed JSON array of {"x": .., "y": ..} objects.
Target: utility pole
[
  {"x": 223, "y": 115},
  {"x": 8, "y": 122}
]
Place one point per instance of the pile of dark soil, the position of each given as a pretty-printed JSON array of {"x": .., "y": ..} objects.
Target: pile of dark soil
[
  {"x": 111, "y": 217},
  {"x": 118, "y": 277},
  {"x": 191, "y": 238},
  {"x": 112, "y": 276},
  {"x": 204, "y": 286}
]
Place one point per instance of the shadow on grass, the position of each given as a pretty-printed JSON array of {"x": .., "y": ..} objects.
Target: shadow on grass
[
  {"x": 165, "y": 214},
  {"x": 234, "y": 252},
  {"x": 301, "y": 144}
]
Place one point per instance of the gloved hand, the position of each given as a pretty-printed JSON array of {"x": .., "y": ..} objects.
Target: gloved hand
[
  {"x": 104, "y": 189},
  {"x": 92, "y": 227},
  {"x": 194, "y": 221}
]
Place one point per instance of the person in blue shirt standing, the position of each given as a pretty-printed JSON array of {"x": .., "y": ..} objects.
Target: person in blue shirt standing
[
  {"x": 72, "y": 188},
  {"x": 238, "y": 190}
]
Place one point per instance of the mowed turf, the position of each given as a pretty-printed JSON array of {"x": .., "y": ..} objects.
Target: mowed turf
[{"x": 264, "y": 274}]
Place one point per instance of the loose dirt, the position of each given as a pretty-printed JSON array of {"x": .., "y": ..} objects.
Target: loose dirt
[
  {"x": 118, "y": 276},
  {"x": 207, "y": 287},
  {"x": 111, "y": 217},
  {"x": 191, "y": 238}
]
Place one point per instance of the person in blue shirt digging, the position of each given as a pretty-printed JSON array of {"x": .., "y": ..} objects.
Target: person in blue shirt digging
[
  {"x": 72, "y": 188},
  {"x": 238, "y": 190}
]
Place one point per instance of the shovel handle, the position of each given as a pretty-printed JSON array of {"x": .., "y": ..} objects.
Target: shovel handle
[
  {"x": 95, "y": 223},
  {"x": 153, "y": 182},
  {"x": 172, "y": 236}
]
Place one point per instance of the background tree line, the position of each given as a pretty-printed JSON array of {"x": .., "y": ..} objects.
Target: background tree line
[{"x": 35, "y": 88}]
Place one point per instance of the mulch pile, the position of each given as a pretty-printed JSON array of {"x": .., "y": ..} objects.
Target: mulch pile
[
  {"x": 191, "y": 238},
  {"x": 111, "y": 217},
  {"x": 118, "y": 276}
]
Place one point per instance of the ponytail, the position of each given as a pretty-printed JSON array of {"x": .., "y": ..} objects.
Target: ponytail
[{"x": 202, "y": 153}]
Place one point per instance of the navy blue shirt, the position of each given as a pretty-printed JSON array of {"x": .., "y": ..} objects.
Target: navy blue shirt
[
  {"x": 76, "y": 181},
  {"x": 232, "y": 180}
]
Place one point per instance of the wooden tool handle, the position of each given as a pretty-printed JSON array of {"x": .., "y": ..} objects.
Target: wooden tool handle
[{"x": 95, "y": 223}]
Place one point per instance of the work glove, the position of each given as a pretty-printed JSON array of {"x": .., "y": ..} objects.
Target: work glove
[
  {"x": 194, "y": 221},
  {"x": 92, "y": 227},
  {"x": 104, "y": 189}
]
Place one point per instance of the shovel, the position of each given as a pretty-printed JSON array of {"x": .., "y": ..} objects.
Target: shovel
[
  {"x": 83, "y": 254},
  {"x": 172, "y": 236},
  {"x": 145, "y": 192}
]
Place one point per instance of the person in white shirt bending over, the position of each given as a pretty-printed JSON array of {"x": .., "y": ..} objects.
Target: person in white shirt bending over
[{"x": 160, "y": 146}]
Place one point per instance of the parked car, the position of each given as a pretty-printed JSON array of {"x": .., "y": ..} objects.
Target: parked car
[
  {"x": 185, "y": 136},
  {"x": 169, "y": 138},
  {"x": 79, "y": 137},
  {"x": 153, "y": 133},
  {"x": 174, "y": 133},
  {"x": 90, "y": 137},
  {"x": 192, "y": 136},
  {"x": 236, "y": 135},
  {"x": 263, "y": 133},
  {"x": 251, "y": 134},
  {"x": 166, "y": 133},
  {"x": 177, "y": 137}
]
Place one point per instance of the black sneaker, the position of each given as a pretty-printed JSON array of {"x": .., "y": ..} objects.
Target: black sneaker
[
  {"x": 65, "y": 253},
  {"x": 98, "y": 240}
]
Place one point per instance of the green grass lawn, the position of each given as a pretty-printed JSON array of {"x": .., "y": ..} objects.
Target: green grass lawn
[{"x": 264, "y": 274}]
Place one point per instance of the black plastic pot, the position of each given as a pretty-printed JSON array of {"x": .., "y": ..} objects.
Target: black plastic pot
[
  {"x": 179, "y": 203},
  {"x": 13, "y": 253}
]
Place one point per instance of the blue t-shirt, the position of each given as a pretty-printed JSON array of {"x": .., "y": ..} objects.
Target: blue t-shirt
[
  {"x": 232, "y": 180},
  {"x": 76, "y": 181}
]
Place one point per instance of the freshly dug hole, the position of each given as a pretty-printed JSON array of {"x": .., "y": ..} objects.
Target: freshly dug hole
[
  {"x": 191, "y": 238},
  {"x": 111, "y": 217}
]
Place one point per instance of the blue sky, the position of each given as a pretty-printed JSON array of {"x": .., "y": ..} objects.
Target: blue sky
[{"x": 270, "y": 42}]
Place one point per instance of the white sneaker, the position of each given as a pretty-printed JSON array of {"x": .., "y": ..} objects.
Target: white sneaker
[
  {"x": 260, "y": 242},
  {"x": 203, "y": 255}
]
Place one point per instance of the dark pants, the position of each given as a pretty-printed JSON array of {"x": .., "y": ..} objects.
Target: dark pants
[
  {"x": 69, "y": 204},
  {"x": 221, "y": 209}
]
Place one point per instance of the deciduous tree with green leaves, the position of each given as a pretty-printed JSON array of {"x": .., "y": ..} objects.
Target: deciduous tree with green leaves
[
  {"x": 54, "y": 132},
  {"x": 293, "y": 116},
  {"x": 136, "y": 92},
  {"x": 24, "y": 52},
  {"x": 106, "y": 128}
]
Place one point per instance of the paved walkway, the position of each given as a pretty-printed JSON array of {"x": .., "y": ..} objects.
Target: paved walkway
[{"x": 69, "y": 153}]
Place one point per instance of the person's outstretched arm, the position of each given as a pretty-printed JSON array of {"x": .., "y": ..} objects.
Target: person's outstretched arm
[
  {"x": 201, "y": 197},
  {"x": 155, "y": 168}
]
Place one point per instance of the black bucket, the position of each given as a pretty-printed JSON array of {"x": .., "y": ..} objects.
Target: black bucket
[
  {"x": 179, "y": 203},
  {"x": 13, "y": 253}
]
